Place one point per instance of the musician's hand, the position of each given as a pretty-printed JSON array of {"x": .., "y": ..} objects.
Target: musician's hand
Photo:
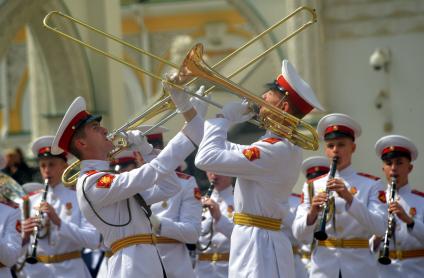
[
  {"x": 200, "y": 106},
  {"x": 237, "y": 112},
  {"x": 28, "y": 226},
  {"x": 139, "y": 142},
  {"x": 213, "y": 208},
  {"x": 317, "y": 204},
  {"x": 180, "y": 98},
  {"x": 340, "y": 188},
  {"x": 156, "y": 224},
  {"x": 51, "y": 213},
  {"x": 139, "y": 159},
  {"x": 397, "y": 209}
]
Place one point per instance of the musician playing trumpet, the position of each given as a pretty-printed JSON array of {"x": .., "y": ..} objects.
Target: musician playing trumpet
[
  {"x": 357, "y": 207},
  {"x": 63, "y": 230},
  {"x": 406, "y": 250}
]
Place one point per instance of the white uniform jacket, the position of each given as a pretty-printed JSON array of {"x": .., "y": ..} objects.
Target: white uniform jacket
[
  {"x": 363, "y": 218},
  {"x": 221, "y": 235},
  {"x": 110, "y": 196},
  {"x": 10, "y": 238},
  {"x": 74, "y": 234},
  {"x": 180, "y": 218},
  {"x": 407, "y": 239},
  {"x": 266, "y": 173},
  {"x": 300, "y": 265}
]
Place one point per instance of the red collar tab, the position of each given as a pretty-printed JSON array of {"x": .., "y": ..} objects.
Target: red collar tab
[
  {"x": 300, "y": 103},
  {"x": 395, "y": 149},
  {"x": 122, "y": 160},
  {"x": 317, "y": 169},
  {"x": 340, "y": 128},
  {"x": 156, "y": 136},
  {"x": 69, "y": 131}
]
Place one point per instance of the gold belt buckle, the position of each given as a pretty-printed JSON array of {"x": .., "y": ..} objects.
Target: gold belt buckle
[
  {"x": 154, "y": 239},
  {"x": 215, "y": 257}
]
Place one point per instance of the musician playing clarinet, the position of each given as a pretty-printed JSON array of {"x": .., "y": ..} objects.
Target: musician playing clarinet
[
  {"x": 406, "y": 247},
  {"x": 217, "y": 226},
  {"x": 356, "y": 207},
  {"x": 64, "y": 231}
]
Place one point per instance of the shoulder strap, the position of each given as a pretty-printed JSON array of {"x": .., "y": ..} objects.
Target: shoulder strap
[{"x": 98, "y": 216}]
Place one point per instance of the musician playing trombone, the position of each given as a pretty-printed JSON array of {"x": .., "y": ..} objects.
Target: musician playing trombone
[
  {"x": 110, "y": 201},
  {"x": 356, "y": 202},
  {"x": 407, "y": 243},
  {"x": 176, "y": 219},
  {"x": 217, "y": 226},
  {"x": 64, "y": 231},
  {"x": 266, "y": 173}
]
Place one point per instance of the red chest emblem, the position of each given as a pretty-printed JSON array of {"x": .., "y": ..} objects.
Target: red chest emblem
[
  {"x": 197, "y": 194},
  {"x": 105, "y": 181},
  {"x": 382, "y": 196},
  {"x": 252, "y": 153},
  {"x": 412, "y": 212},
  {"x": 354, "y": 190},
  {"x": 18, "y": 226}
]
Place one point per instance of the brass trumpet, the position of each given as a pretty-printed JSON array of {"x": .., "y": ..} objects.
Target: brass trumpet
[{"x": 165, "y": 103}]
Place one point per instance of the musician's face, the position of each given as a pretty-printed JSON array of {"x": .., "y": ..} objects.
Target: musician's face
[
  {"x": 342, "y": 147},
  {"x": 52, "y": 168},
  {"x": 220, "y": 182},
  {"x": 273, "y": 98},
  {"x": 399, "y": 167},
  {"x": 95, "y": 144}
]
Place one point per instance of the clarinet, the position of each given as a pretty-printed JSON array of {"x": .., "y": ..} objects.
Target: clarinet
[
  {"x": 391, "y": 223},
  {"x": 210, "y": 190},
  {"x": 207, "y": 195},
  {"x": 321, "y": 234},
  {"x": 33, "y": 258}
]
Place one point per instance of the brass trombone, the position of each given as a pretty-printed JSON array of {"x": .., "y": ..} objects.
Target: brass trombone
[
  {"x": 165, "y": 103},
  {"x": 274, "y": 119}
]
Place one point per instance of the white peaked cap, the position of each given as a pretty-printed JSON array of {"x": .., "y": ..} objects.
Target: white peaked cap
[
  {"x": 338, "y": 122},
  {"x": 299, "y": 90},
  {"x": 396, "y": 143},
  {"x": 76, "y": 116},
  {"x": 315, "y": 162}
]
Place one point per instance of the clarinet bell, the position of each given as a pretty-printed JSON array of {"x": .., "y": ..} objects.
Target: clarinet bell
[
  {"x": 31, "y": 260},
  {"x": 320, "y": 235},
  {"x": 384, "y": 260}
]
